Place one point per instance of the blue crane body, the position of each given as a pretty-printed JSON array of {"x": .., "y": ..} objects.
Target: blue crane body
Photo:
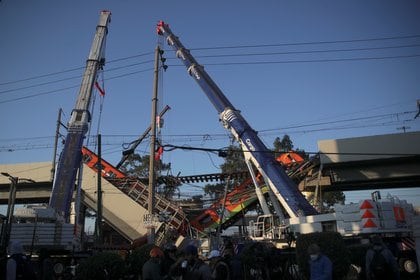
[
  {"x": 71, "y": 155},
  {"x": 286, "y": 191}
]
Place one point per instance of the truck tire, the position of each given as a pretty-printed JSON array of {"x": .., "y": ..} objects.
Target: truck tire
[{"x": 408, "y": 266}]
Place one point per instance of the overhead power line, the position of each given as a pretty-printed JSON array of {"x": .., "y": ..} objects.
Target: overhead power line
[
  {"x": 252, "y": 46},
  {"x": 382, "y": 116},
  {"x": 70, "y": 87},
  {"x": 74, "y": 77},
  {"x": 312, "y": 42},
  {"x": 217, "y": 150},
  {"x": 29, "y": 141},
  {"x": 312, "y": 60},
  {"x": 70, "y": 70},
  {"x": 222, "y": 64},
  {"x": 310, "y": 51}
]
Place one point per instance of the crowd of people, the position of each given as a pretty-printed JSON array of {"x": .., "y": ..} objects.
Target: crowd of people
[
  {"x": 187, "y": 265},
  {"x": 171, "y": 263},
  {"x": 380, "y": 263}
]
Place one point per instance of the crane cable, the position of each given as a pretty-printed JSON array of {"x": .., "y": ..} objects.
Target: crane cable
[{"x": 101, "y": 90}]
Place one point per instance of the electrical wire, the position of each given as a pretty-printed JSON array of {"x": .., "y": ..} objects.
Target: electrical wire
[
  {"x": 67, "y": 88},
  {"x": 73, "y": 77},
  {"x": 307, "y": 52},
  {"x": 313, "y": 42},
  {"x": 246, "y": 55},
  {"x": 70, "y": 70},
  {"x": 187, "y": 138},
  {"x": 310, "y": 60},
  {"x": 222, "y": 47},
  {"x": 222, "y": 64}
]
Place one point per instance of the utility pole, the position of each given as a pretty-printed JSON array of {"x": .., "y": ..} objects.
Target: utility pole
[
  {"x": 318, "y": 203},
  {"x": 403, "y": 128},
  {"x": 152, "y": 175},
  {"x": 57, "y": 133},
  {"x": 99, "y": 195}
]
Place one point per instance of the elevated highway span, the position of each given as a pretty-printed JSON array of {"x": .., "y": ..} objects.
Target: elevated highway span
[
  {"x": 119, "y": 210},
  {"x": 367, "y": 163}
]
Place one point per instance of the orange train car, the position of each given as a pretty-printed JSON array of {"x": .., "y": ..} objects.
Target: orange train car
[
  {"x": 107, "y": 170},
  {"x": 239, "y": 198}
]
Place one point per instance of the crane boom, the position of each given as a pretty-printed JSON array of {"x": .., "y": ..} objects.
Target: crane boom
[
  {"x": 70, "y": 158},
  {"x": 285, "y": 190}
]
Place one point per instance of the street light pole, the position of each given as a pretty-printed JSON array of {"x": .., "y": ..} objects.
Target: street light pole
[{"x": 7, "y": 228}]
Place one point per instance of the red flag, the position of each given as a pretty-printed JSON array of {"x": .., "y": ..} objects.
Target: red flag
[
  {"x": 101, "y": 91},
  {"x": 159, "y": 152}
]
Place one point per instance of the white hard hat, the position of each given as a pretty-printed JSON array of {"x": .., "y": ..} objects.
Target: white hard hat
[{"x": 214, "y": 254}]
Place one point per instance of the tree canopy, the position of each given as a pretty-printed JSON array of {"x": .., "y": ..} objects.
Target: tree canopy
[{"x": 138, "y": 166}]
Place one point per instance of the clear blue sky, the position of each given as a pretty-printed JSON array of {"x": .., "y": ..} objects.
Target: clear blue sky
[{"x": 328, "y": 62}]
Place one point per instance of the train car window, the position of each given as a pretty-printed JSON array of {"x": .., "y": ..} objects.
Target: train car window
[{"x": 86, "y": 158}]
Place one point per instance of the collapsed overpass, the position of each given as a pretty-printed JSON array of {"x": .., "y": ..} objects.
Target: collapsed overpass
[
  {"x": 363, "y": 163},
  {"x": 119, "y": 210}
]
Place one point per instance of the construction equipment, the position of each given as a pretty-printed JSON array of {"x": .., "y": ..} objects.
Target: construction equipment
[
  {"x": 71, "y": 156},
  {"x": 280, "y": 185},
  {"x": 50, "y": 227},
  {"x": 292, "y": 212}
]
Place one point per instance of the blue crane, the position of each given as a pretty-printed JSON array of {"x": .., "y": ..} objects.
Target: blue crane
[
  {"x": 71, "y": 155},
  {"x": 284, "y": 189}
]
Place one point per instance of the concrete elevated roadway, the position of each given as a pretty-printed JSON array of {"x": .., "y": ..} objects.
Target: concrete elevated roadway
[
  {"x": 367, "y": 163},
  {"x": 119, "y": 210}
]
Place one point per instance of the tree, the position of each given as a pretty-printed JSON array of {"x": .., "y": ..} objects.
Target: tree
[
  {"x": 234, "y": 162},
  {"x": 138, "y": 166},
  {"x": 283, "y": 145},
  {"x": 277, "y": 147},
  {"x": 286, "y": 145},
  {"x": 214, "y": 190}
]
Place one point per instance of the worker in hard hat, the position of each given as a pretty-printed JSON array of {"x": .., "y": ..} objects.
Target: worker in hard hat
[
  {"x": 151, "y": 269},
  {"x": 220, "y": 269}
]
